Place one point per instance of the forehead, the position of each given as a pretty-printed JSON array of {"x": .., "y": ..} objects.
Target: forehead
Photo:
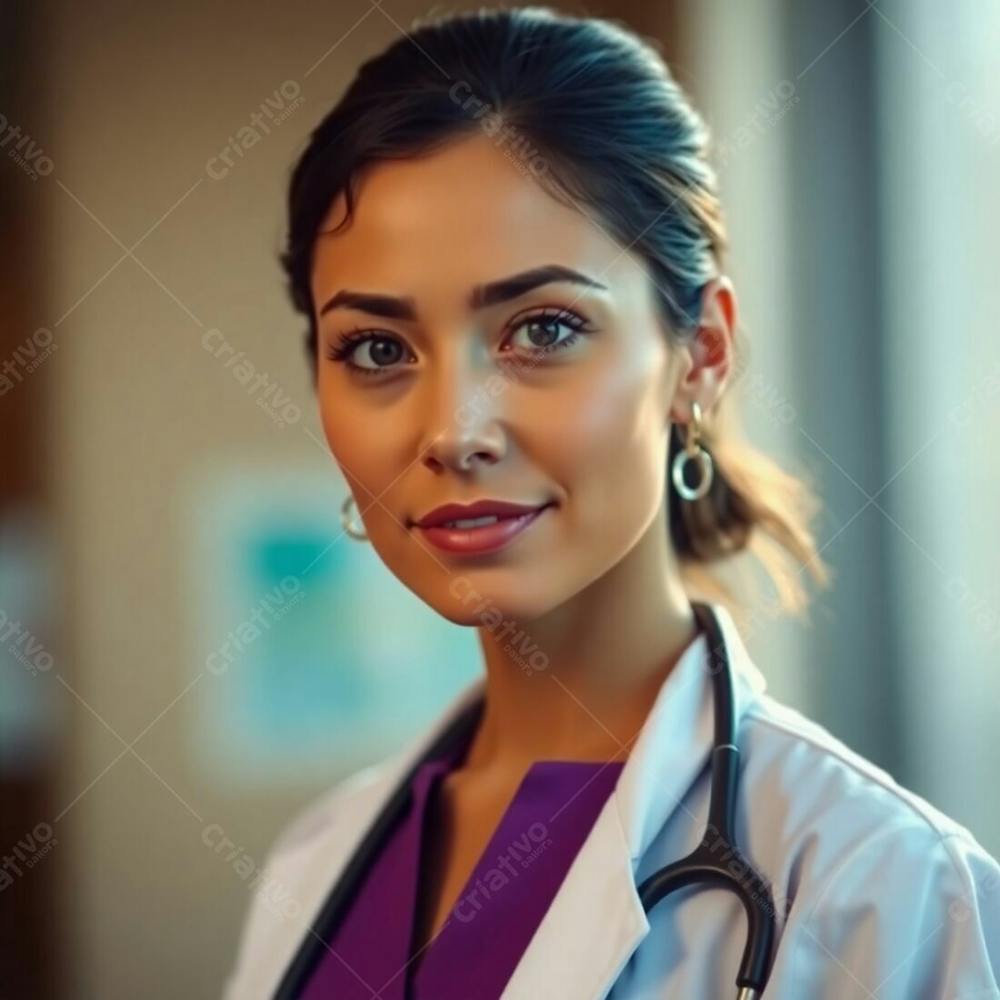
[{"x": 451, "y": 219}]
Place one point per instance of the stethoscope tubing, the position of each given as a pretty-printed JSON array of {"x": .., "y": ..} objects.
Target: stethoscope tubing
[{"x": 703, "y": 866}]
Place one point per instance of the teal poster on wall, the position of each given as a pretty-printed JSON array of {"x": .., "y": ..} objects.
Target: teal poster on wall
[{"x": 316, "y": 659}]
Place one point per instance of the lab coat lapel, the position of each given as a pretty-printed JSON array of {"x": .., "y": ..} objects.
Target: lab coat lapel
[{"x": 596, "y": 919}]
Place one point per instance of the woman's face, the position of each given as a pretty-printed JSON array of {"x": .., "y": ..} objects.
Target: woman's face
[{"x": 456, "y": 400}]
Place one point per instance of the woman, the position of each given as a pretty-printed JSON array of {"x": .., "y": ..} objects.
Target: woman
[{"x": 507, "y": 242}]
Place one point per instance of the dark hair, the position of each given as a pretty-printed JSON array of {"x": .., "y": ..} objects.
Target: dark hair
[{"x": 591, "y": 111}]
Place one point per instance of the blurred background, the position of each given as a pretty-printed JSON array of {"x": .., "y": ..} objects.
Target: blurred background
[{"x": 169, "y": 677}]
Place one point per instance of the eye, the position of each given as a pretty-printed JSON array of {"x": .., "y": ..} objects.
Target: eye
[
  {"x": 543, "y": 329},
  {"x": 378, "y": 352},
  {"x": 383, "y": 351}
]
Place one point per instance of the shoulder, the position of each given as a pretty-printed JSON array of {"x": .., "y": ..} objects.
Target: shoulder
[
  {"x": 822, "y": 775},
  {"x": 877, "y": 887}
]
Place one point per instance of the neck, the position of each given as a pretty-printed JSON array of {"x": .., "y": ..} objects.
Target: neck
[{"x": 578, "y": 682}]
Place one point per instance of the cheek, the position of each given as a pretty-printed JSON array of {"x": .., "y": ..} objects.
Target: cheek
[
  {"x": 609, "y": 450},
  {"x": 343, "y": 446},
  {"x": 371, "y": 454},
  {"x": 364, "y": 459}
]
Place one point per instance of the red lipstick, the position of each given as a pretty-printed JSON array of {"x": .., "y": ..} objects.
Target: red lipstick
[{"x": 499, "y": 523}]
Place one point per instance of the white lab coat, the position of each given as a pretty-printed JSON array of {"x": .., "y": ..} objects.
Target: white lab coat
[{"x": 878, "y": 894}]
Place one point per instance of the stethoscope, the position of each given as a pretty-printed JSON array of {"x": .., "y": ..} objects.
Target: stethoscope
[{"x": 715, "y": 862}]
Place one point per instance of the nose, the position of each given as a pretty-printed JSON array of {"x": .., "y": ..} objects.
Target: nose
[{"x": 463, "y": 410}]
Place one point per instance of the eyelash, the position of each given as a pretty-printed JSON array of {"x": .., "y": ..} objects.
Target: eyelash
[{"x": 349, "y": 339}]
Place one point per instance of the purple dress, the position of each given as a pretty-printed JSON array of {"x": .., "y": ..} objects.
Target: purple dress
[{"x": 497, "y": 912}]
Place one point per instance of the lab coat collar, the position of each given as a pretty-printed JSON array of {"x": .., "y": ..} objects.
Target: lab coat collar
[{"x": 675, "y": 741}]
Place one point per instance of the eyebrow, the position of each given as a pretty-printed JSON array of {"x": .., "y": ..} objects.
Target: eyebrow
[{"x": 482, "y": 296}]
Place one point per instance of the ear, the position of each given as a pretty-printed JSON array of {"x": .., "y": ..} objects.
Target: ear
[{"x": 708, "y": 357}]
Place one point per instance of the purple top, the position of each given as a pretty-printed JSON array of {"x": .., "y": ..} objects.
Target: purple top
[{"x": 502, "y": 903}]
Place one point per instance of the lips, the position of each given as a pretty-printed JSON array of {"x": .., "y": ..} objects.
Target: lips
[
  {"x": 480, "y": 535},
  {"x": 478, "y": 514}
]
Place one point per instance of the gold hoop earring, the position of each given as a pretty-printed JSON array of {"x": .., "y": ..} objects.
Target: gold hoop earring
[
  {"x": 345, "y": 520},
  {"x": 693, "y": 449}
]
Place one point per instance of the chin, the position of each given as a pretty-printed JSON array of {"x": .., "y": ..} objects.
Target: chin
[
  {"x": 477, "y": 596},
  {"x": 493, "y": 600}
]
